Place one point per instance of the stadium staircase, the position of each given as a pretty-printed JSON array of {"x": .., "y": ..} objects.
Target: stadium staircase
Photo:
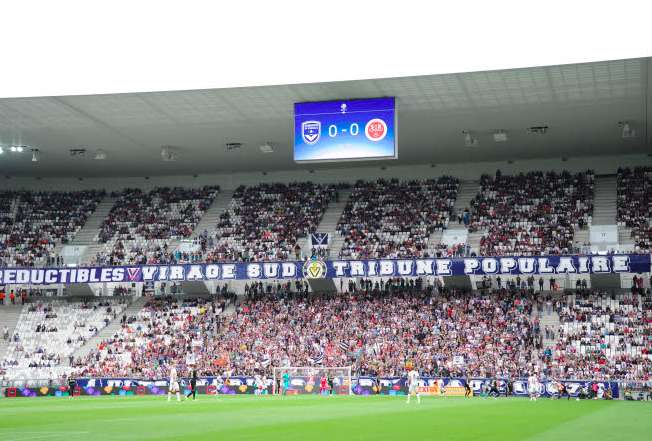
[
  {"x": 328, "y": 224},
  {"x": 625, "y": 236},
  {"x": 108, "y": 331},
  {"x": 9, "y": 315},
  {"x": 88, "y": 234},
  {"x": 465, "y": 194},
  {"x": 604, "y": 200},
  {"x": 208, "y": 222},
  {"x": 547, "y": 320}
]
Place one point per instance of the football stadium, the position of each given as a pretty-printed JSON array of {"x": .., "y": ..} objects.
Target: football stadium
[{"x": 449, "y": 256}]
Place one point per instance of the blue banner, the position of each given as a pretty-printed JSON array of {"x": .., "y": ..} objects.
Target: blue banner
[
  {"x": 366, "y": 385},
  {"x": 319, "y": 269}
]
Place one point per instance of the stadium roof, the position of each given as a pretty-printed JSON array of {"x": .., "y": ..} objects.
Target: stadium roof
[{"x": 581, "y": 104}]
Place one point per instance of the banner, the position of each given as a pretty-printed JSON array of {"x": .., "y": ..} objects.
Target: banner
[
  {"x": 319, "y": 269},
  {"x": 238, "y": 385},
  {"x": 319, "y": 240}
]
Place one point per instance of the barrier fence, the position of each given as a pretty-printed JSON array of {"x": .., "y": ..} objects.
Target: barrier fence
[{"x": 363, "y": 385}]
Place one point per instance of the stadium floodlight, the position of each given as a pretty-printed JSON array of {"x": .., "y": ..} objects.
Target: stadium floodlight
[
  {"x": 169, "y": 154},
  {"x": 267, "y": 148},
  {"x": 1, "y": 151},
  {"x": 500, "y": 136},
  {"x": 36, "y": 155},
  {"x": 19, "y": 149},
  {"x": 13, "y": 148},
  {"x": 100, "y": 155},
  {"x": 470, "y": 140},
  {"x": 628, "y": 132}
]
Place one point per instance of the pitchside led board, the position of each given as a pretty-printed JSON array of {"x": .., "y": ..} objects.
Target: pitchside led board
[{"x": 345, "y": 130}]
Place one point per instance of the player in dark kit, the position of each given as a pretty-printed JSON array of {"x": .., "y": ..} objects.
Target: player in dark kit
[
  {"x": 193, "y": 385},
  {"x": 467, "y": 389},
  {"x": 71, "y": 387}
]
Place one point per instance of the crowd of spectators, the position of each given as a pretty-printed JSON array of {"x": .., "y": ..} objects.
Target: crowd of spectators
[
  {"x": 603, "y": 336},
  {"x": 166, "y": 331},
  {"x": 266, "y": 221},
  {"x": 47, "y": 334},
  {"x": 531, "y": 214},
  {"x": 635, "y": 205},
  {"x": 392, "y": 218},
  {"x": 32, "y": 224},
  {"x": 141, "y": 225}
]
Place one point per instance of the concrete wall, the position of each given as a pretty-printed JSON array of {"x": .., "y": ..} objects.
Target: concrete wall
[{"x": 464, "y": 171}]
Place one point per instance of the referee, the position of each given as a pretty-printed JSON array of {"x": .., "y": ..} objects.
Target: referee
[
  {"x": 193, "y": 385},
  {"x": 71, "y": 386}
]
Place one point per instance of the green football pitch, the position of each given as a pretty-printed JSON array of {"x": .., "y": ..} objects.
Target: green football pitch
[{"x": 321, "y": 418}]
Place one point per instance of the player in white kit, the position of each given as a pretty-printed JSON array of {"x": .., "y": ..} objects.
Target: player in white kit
[
  {"x": 174, "y": 384},
  {"x": 413, "y": 384},
  {"x": 533, "y": 387}
]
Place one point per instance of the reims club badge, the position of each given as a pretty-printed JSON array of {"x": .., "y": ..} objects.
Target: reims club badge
[{"x": 376, "y": 129}]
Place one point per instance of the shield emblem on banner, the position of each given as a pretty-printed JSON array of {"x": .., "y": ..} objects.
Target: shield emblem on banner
[{"x": 311, "y": 131}]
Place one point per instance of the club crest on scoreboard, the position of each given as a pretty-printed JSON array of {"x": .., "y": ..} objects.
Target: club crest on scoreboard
[
  {"x": 314, "y": 269},
  {"x": 311, "y": 131}
]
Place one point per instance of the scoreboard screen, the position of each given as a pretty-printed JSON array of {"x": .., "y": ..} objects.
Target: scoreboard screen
[{"x": 345, "y": 130}]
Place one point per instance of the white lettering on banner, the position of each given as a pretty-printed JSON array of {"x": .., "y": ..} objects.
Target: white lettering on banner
[
  {"x": 37, "y": 276},
  {"x": 424, "y": 267},
  {"x": 507, "y": 264},
  {"x": 149, "y": 272},
  {"x": 339, "y": 268},
  {"x": 289, "y": 269},
  {"x": 371, "y": 268},
  {"x": 565, "y": 265},
  {"x": 357, "y": 269},
  {"x": 22, "y": 276},
  {"x": 82, "y": 275},
  {"x": 470, "y": 265},
  {"x": 270, "y": 270},
  {"x": 544, "y": 266},
  {"x": 195, "y": 273},
  {"x": 620, "y": 263},
  {"x": 253, "y": 270},
  {"x": 212, "y": 272},
  {"x": 600, "y": 264},
  {"x": 92, "y": 276},
  {"x": 63, "y": 275},
  {"x": 526, "y": 265},
  {"x": 118, "y": 274},
  {"x": 51, "y": 276},
  {"x": 404, "y": 267},
  {"x": 443, "y": 267},
  {"x": 583, "y": 264},
  {"x": 176, "y": 272},
  {"x": 489, "y": 265},
  {"x": 106, "y": 275},
  {"x": 386, "y": 268},
  {"x": 163, "y": 273}
]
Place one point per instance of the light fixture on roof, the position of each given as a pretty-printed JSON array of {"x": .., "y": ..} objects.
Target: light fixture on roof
[
  {"x": 537, "y": 130},
  {"x": 500, "y": 136},
  {"x": 169, "y": 153},
  {"x": 470, "y": 140},
  {"x": 78, "y": 152},
  {"x": 628, "y": 131},
  {"x": 267, "y": 148},
  {"x": 230, "y": 146},
  {"x": 36, "y": 155},
  {"x": 1, "y": 151},
  {"x": 100, "y": 155}
]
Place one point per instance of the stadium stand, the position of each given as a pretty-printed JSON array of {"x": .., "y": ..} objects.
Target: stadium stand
[
  {"x": 142, "y": 227},
  {"x": 33, "y": 224},
  {"x": 635, "y": 205},
  {"x": 266, "y": 221},
  {"x": 531, "y": 214},
  {"x": 167, "y": 330},
  {"x": 603, "y": 336},
  {"x": 47, "y": 333},
  {"x": 390, "y": 218}
]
